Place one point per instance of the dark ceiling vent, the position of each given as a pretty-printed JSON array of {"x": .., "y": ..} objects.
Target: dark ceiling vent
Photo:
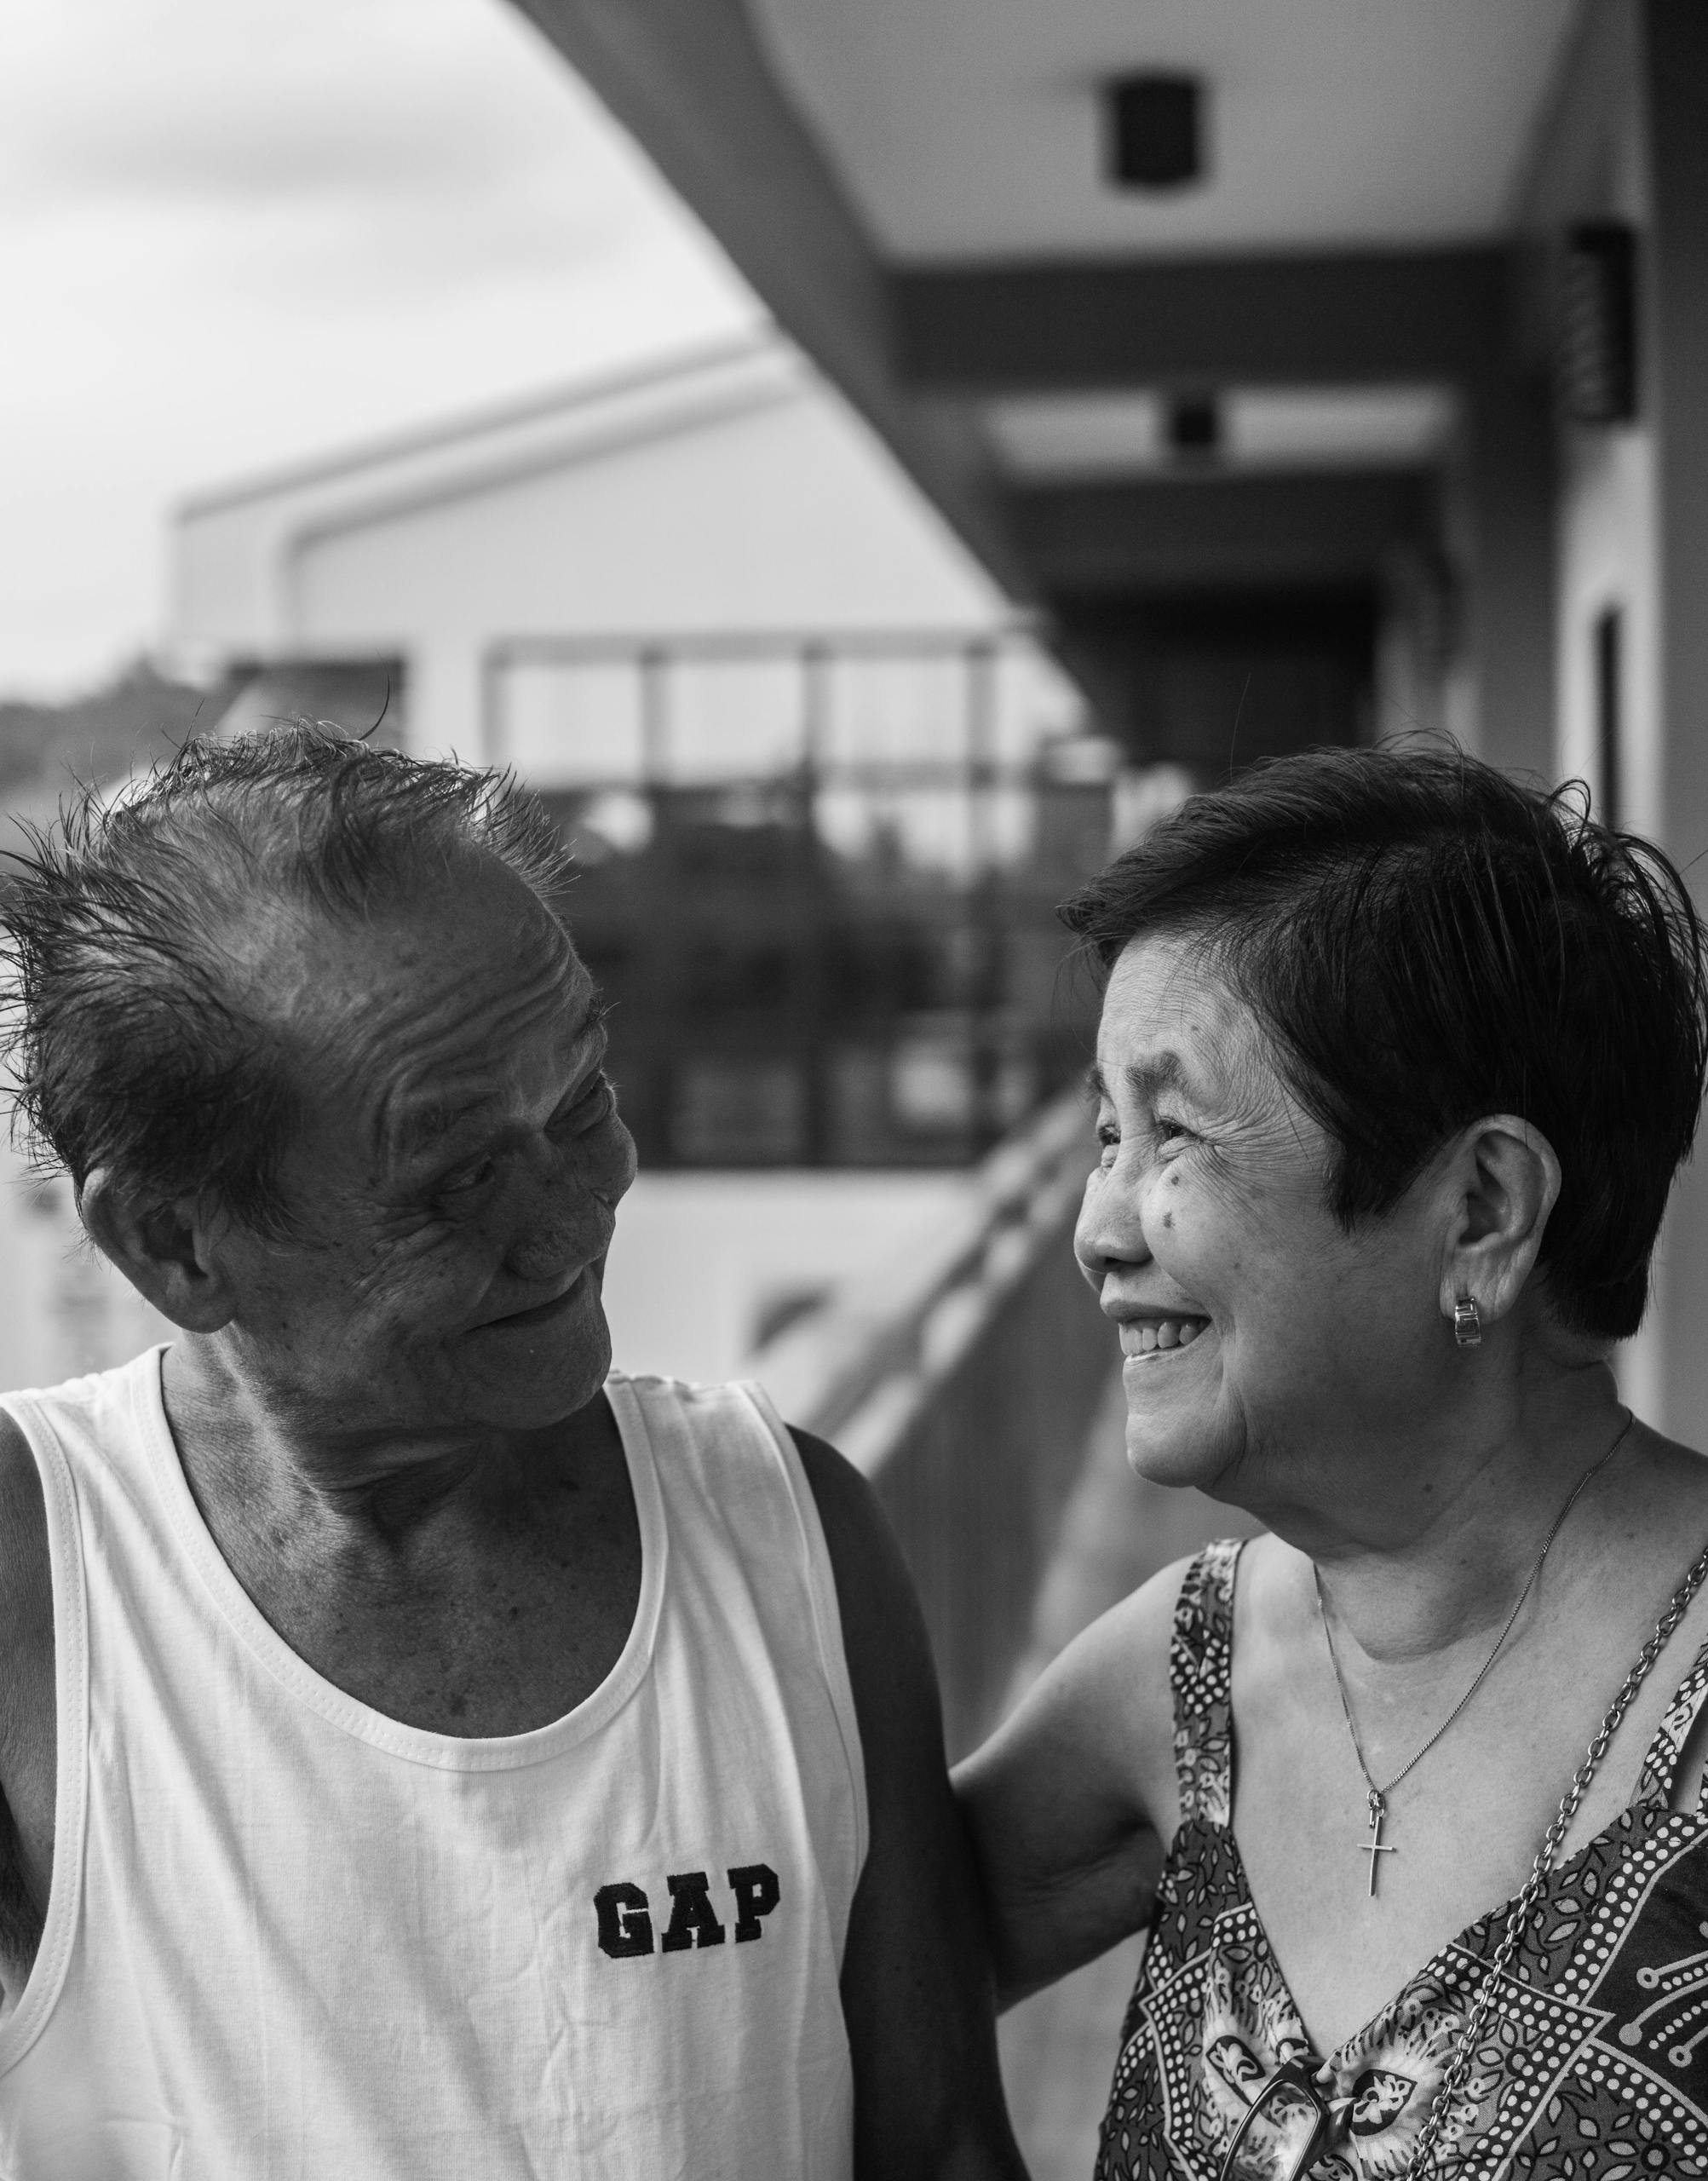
[
  {"x": 1156, "y": 130},
  {"x": 1193, "y": 424},
  {"x": 1597, "y": 348}
]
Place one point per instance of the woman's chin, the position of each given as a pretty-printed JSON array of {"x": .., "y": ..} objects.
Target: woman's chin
[
  {"x": 1173, "y": 1459},
  {"x": 1172, "y": 1382},
  {"x": 1172, "y": 1435}
]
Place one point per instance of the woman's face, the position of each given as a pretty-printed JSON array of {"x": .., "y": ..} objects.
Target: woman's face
[{"x": 1259, "y": 1337}]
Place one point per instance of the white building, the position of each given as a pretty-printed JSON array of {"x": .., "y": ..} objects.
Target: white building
[{"x": 729, "y": 493}]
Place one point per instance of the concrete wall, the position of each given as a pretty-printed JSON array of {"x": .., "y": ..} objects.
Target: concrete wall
[
  {"x": 1625, "y": 140},
  {"x": 1593, "y": 164},
  {"x": 1509, "y": 601},
  {"x": 1675, "y": 339},
  {"x": 701, "y": 1259}
]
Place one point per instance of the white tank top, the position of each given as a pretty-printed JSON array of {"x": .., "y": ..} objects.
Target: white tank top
[{"x": 289, "y": 1939}]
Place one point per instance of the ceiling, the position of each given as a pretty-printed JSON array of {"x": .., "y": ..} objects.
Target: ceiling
[
  {"x": 916, "y": 189},
  {"x": 970, "y": 128},
  {"x": 1047, "y": 437}
]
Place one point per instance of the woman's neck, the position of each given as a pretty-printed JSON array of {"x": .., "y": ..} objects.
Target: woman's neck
[{"x": 1437, "y": 1549}]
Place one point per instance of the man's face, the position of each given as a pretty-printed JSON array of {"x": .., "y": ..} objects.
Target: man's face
[{"x": 454, "y": 1183}]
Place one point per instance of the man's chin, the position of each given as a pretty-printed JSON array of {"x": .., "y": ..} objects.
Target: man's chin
[
  {"x": 538, "y": 1385},
  {"x": 521, "y": 1411}
]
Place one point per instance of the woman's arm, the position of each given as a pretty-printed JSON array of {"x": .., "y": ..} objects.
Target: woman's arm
[{"x": 1069, "y": 1800}]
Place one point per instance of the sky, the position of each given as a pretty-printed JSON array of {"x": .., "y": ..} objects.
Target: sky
[{"x": 234, "y": 232}]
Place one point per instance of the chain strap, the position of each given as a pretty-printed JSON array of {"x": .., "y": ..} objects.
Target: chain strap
[{"x": 1453, "y": 2081}]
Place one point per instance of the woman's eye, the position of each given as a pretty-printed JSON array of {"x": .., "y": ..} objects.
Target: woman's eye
[{"x": 1168, "y": 1130}]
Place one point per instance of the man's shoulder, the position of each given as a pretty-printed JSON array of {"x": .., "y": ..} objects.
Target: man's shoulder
[
  {"x": 884, "y": 1632},
  {"x": 711, "y": 1401},
  {"x": 861, "y": 1544},
  {"x": 707, "y": 1427},
  {"x": 727, "y": 1465},
  {"x": 84, "y": 1412},
  {"x": 715, "y": 1422},
  {"x": 20, "y": 1483},
  {"x": 25, "y": 1582},
  {"x": 87, "y": 1393}
]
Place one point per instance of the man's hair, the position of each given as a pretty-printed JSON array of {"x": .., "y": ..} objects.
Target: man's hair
[
  {"x": 1425, "y": 942},
  {"x": 136, "y": 1039}
]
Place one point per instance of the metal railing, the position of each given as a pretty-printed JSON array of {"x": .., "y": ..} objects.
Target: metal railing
[
  {"x": 817, "y": 879},
  {"x": 963, "y": 1382}
]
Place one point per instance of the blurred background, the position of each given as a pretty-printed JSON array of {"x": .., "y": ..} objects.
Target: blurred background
[{"x": 862, "y": 463}]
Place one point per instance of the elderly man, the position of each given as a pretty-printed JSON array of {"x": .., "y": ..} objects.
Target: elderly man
[{"x": 425, "y": 1752}]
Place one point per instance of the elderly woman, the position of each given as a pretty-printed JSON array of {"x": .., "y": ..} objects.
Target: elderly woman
[{"x": 1396, "y": 1064}]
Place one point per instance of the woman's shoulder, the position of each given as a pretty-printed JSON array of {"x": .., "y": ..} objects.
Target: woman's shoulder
[
  {"x": 1653, "y": 1541},
  {"x": 1676, "y": 1476},
  {"x": 1105, "y": 1706},
  {"x": 1648, "y": 1520},
  {"x": 1171, "y": 1628}
]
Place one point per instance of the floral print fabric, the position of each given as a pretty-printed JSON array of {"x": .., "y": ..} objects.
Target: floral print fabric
[{"x": 1595, "y": 2067}]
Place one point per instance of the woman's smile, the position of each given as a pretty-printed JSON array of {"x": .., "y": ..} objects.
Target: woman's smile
[
  {"x": 1146, "y": 1340},
  {"x": 1208, "y": 1205}
]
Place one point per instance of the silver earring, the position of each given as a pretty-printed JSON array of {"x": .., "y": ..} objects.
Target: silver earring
[{"x": 1467, "y": 1325}]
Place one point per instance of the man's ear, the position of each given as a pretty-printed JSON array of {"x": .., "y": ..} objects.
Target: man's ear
[
  {"x": 165, "y": 1250},
  {"x": 1503, "y": 1180}
]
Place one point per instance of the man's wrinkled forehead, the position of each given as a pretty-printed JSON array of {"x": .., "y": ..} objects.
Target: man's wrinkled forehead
[
  {"x": 430, "y": 997},
  {"x": 415, "y": 1114},
  {"x": 449, "y": 1041}
]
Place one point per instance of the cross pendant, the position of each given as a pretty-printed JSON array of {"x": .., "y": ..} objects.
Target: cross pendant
[{"x": 1373, "y": 1846}]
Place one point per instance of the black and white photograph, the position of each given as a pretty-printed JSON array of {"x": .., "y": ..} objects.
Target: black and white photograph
[{"x": 853, "y": 999}]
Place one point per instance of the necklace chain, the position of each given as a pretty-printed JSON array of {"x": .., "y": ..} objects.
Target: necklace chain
[
  {"x": 1378, "y": 1796},
  {"x": 1524, "y": 1908}
]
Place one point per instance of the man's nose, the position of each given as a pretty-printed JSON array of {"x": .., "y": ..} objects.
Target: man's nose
[
  {"x": 548, "y": 1247},
  {"x": 612, "y": 1170},
  {"x": 1109, "y": 1234},
  {"x": 563, "y": 1218}
]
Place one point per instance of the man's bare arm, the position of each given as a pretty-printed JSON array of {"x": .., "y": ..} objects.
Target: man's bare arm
[
  {"x": 27, "y": 1738},
  {"x": 1067, "y": 1801},
  {"x": 916, "y": 1982}
]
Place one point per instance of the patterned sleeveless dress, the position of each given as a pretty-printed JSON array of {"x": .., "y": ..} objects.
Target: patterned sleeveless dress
[{"x": 1595, "y": 2068}]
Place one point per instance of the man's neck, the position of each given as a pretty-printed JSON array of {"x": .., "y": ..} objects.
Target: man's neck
[
  {"x": 479, "y": 1584},
  {"x": 266, "y": 1469}
]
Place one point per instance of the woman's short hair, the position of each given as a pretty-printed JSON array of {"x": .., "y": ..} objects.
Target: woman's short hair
[
  {"x": 136, "y": 1040},
  {"x": 1427, "y": 941}
]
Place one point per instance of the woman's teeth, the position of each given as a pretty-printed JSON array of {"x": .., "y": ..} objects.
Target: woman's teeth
[{"x": 1168, "y": 1332}]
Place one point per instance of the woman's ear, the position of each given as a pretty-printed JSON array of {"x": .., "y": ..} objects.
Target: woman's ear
[
  {"x": 1503, "y": 1181},
  {"x": 165, "y": 1250}
]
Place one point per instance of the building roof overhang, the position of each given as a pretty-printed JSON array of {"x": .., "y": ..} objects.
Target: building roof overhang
[{"x": 918, "y": 196}]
